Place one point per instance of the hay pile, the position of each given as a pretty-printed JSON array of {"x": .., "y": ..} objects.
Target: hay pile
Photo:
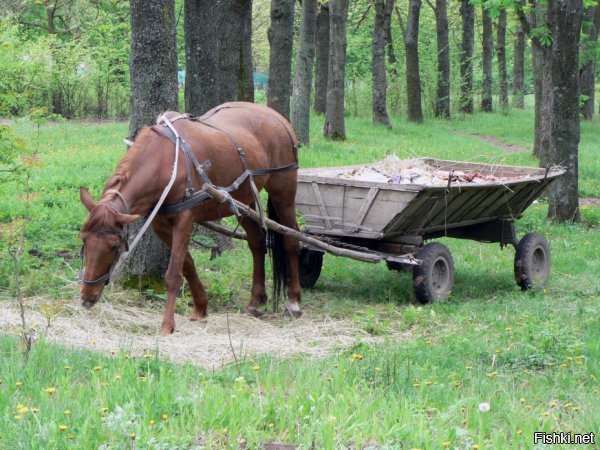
[{"x": 109, "y": 327}]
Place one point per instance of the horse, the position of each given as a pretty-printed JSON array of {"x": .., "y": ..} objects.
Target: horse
[{"x": 242, "y": 146}]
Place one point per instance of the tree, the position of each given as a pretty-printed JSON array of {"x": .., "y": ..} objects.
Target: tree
[
  {"x": 381, "y": 26},
  {"x": 501, "y": 55},
  {"x": 467, "y": 13},
  {"x": 563, "y": 195},
  {"x": 334, "y": 116},
  {"x": 300, "y": 108},
  {"x": 591, "y": 24},
  {"x": 153, "y": 71},
  {"x": 322, "y": 58},
  {"x": 235, "y": 51},
  {"x": 413, "y": 76},
  {"x": 488, "y": 55},
  {"x": 201, "y": 56},
  {"x": 281, "y": 42},
  {"x": 519, "y": 70},
  {"x": 442, "y": 96}
]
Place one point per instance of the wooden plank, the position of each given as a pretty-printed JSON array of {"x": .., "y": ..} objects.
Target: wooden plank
[{"x": 321, "y": 205}]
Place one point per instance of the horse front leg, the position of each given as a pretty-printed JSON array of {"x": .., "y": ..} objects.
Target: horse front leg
[
  {"x": 180, "y": 237},
  {"x": 257, "y": 243}
]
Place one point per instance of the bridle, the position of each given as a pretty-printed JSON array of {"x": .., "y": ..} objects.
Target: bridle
[{"x": 123, "y": 236}]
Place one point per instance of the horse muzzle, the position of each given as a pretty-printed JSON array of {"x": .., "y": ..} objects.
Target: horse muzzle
[{"x": 87, "y": 301}]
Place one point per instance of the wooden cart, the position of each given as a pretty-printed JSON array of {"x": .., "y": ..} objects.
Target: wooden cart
[{"x": 391, "y": 222}]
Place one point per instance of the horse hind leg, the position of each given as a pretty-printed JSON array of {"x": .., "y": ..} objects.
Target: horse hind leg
[
  {"x": 257, "y": 244},
  {"x": 282, "y": 209},
  {"x": 200, "y": 311}
]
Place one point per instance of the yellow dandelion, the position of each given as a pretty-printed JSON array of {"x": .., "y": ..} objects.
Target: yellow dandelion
[
  {"x": 568, "y": 405},
  {"x": 329, "y": 378},
  {"x": 132, "y": 435},
  {"x": 165, "y": 416},
  {"x": 475, "y": 447},
  {"x": 105, "y": 384},
  {"x": 117, "y": 377},
  {"x": 416, "y": 385},
  {"x": 428, "y": 383},
  {"x": 519, "y": 431},
  {"x": 576, "y": 408},
  {"x": 357, "y": 356},
  {"x": 93, "y": 341},
  {"x": 104, "y": 410},
  {"x": 563, "y": 365},
  {"x": 142, "y": 378},
  {"x": 97, "y": 368},
  {"x": 148, "y": 355},
  {"x": 23, "y": 410},
  {"x": 18, "y": 384},
  {"x": 256, "y": 367},
  {"x": 428, "y": 343},
  {"x": 528, "y": 407},
  {"x": 463, "y": 422},
  {"x": 152, "y": 422},
  {"x": 522, "y": 400},
  {"x": 468, "y": 367},
  {"x": 377, "y": 369},
  {"x": 127, "y": 356},
  {"x": 20, "y": 405},
  {"x": 51, "y": 390},
  {"x": 446, "y": 444},
  {"x": 67, "y": 367},
  {"x": 68, "y": 412},
  {"x": 457, "y": 384},
  {"x": 1, "y": 381},
  {"x": 35, "y": 410},
  {"x": 63, "y": 427},
  {"x": 553, "y": 404},
  {"x": 492, "y": 374},
  {"x": 508, "y": 329},
  {"x": 17, "y": 417},
  {"x": 71, "y": 437}
]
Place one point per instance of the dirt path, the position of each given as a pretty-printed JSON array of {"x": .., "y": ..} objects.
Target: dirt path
[
  {"x": 110, "y": 327},
  {"x": 491, "y": 140}
]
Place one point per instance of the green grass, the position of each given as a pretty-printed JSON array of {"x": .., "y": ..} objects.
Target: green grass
[{"x": 534, "y": 357}]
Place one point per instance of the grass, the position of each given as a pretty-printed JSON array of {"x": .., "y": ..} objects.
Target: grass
[{"x": 534, "y": 357}]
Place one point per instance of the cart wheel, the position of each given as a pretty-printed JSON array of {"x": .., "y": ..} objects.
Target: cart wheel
[
  {"x": 434, "y": 279},
  {"x": 311, "y": 262},
  {"x": 532, "y": 261}
]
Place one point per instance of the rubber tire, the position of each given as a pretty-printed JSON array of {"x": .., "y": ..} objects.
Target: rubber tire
[
  {"x": 532, "y": 261},
  {"x": 433, "y": 280},
  {"x": 310, "y": 264}
]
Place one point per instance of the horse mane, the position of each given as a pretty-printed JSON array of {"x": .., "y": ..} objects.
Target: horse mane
[{"x": 102, "y": 216}]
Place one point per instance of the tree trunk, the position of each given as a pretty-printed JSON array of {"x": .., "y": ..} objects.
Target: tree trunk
[
  {"x": 235, "y": 50},
  {"x": 467, "y": 13},
  {"x": 488, "y": 55},
  {"x": 153, "y": 71},
  {"x": 442, "y": 100},
  {"x": 501, "y": 55},
  {"x": 322, "y": 59},
  {"x": 591, "y": 22},
  {"x": 413, "y": 76},
  {"x": 201, "y": 56},
  {"x": 546, "y": 116},
  {"x": 383, "y": 13},
  {"x": 300, "y": 107},
  {"x": 281, "y": 41},
  {"x": 519, "y": 70},
  {"x": 334, "y": 116},
  {"x": 563, "y": 194}
]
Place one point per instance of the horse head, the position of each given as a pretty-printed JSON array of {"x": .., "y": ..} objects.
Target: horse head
[{"x": 104, "y": 237}]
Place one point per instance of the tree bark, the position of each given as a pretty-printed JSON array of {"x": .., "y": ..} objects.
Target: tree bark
[
  {"x": 487, "y": 61},
  {"x": 235, "y": 50},
  {"x": 413, "y": 76},
  {"x": 442, "y": 100},
  {"x": 467, "y": 13},
  {"x": 322, "y": 59},
  {"x": 201, "y": 56},
  {"x": 153, "y": 71},
  {"x": 334, "y": 116},
  {"x": 501, "y": 55},
  {"x": 518, "y": 100},
  {"x": 591, "y": 22},
  {"x": 281, "y": 42},
  {"x": 300, "y": 107},
  {"x": 383, "y": 14},
  {"x": 563, "y": 194}
]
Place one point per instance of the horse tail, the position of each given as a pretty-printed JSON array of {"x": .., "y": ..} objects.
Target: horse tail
[{"x": 278, "y": 255}]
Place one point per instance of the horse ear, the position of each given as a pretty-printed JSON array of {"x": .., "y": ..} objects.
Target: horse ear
[
  {"x": 126, "y": 219},
  {"x": 86, "y": 198}
]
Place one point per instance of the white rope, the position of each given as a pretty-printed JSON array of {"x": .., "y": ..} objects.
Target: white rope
[{"x": 165, "y": 192}]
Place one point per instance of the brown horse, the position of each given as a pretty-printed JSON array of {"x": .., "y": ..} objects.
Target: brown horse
[{"x": 230, "y": 140}]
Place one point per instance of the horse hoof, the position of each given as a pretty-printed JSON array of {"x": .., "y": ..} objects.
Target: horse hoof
[
  {"x": 254, "y": 312},
  {"x": 167, "y": 330},
  {"x": 292, "y": 311},
  {"x": 198, "y": 319}
]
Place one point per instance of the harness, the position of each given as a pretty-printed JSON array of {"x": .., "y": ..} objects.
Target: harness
[{"x": 193, "y": 198}]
